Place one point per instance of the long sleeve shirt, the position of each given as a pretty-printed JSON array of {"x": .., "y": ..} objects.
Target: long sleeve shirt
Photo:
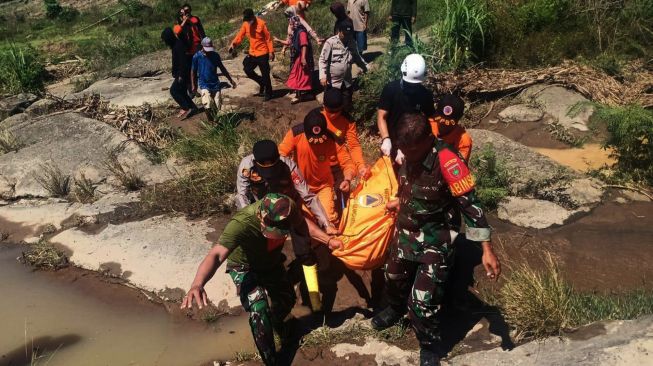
[
  {"x": 345, "y": 130},
  {"x": 335, "y": 62},
  {"x": 314, "y": 160},
  {"x": 260, "y": 42},
  {"x": 458, "y": 138},
  {"x": 244, "y": 196}
]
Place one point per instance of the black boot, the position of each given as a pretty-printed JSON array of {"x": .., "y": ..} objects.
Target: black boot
[
  {"x": 386, "y": 318},
  {"x": 428, "y": 357}
]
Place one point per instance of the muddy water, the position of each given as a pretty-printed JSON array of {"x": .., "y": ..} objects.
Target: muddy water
[
  {"x": 590, "y": 156},
  {"x": 73, "y": 318}
]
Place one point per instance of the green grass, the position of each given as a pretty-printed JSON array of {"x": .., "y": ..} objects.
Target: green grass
[
  {"x": 540, "y": 302},
  {"x": 21, "y": 70},
  {"x": 492, "y": 178}
]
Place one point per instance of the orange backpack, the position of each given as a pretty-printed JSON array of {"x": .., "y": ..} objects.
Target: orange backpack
[{"x": 367, "y": 228}]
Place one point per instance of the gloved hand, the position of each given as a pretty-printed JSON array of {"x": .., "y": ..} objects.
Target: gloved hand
[
  {"x": 386, "y": 146},
  {"x": 400, "y": 157}
]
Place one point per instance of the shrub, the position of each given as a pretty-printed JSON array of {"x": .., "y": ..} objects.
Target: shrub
[
  {"x": 459, "y": 37},
  {"x": 84, "y": 189},
  {"x": 54, "y": 10},
  {"x": 630, "y": 137},
  {"x": 52, "y": 179},
  {"x": 21, "y": 70},
  {"x": 44, "y": 255},
  {"x": 492, "y": 178},
  {"x": 125, "y": 174}
]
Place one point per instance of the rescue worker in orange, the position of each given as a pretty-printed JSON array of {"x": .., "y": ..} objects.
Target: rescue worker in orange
[
  {"x": 261, "y": 51},
  {"x": 445, "y": 125},
  {"x": 313, "y": 147}
]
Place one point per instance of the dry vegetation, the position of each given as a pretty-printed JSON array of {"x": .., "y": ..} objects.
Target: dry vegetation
[
  {"x": 53, "y": 180},
  {"x": 44, "y": 255}
]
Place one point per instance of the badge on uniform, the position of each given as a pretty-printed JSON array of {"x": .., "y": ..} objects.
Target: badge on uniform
[
  {"x": 296, "y": 178},
  {"x": 245, "y": 173},
  {"x": 455, "y": 173}
]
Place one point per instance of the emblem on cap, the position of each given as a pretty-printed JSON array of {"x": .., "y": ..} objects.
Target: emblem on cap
[
  {"x": 447, "y": 110},
  {"x": 316, "y": 130}
]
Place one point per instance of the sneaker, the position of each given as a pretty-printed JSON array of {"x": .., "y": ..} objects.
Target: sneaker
[
  {"x": 386, "y": 318},
  {"x": 428, "y": 358}
]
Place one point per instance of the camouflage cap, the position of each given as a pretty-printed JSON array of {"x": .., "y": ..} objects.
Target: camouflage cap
[{"x": 273, "y": 212}]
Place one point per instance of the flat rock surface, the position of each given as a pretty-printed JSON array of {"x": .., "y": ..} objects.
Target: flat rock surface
[
  {"x": 521, "y": 113},
  {"x": 130, "y": 92},
  {"x": 534, "y": 213},
  {"x": 72, "y": 143},
  {"x": 617, "y": 343},
  {"x": 559, "y": 103},
  {"x": 159, "y": 254},
  {"x": 151, "y": 64}
]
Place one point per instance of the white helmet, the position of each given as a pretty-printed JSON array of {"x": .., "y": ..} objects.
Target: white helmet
[{"x": 413, "y": 68}]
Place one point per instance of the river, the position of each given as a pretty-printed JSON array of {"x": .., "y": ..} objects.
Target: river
[{"x": 72, "y": 318}]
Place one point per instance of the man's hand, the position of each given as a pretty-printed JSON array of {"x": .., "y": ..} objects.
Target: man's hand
[
  {"x": 324, "y": 82},
  {"x": 331, "y": 230},
  {"x": 392, "y": 206},
  {"x": 400, "y": 158},
  {"x": 272, "y": 57},
  {"x": 196, "y": 293},
  {"x": 320, "y": 41},
  {"x": 386, "y": 146},
  {"x": 365, "y": 172},
  {"x": 335, "y": 244},
  {"x": 490, "y": 262},
  {"x": 345, "y": 185}
]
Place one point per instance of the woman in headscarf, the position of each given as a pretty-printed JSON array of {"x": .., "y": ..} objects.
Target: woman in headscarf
[
  {"x": 298, "y": 11},
  {"x": 301, "y": 60}
]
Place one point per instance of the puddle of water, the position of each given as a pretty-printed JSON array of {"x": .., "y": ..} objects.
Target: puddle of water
[
  {"x": 81, "y": 322},
  {"x": 590, "y": 156}
]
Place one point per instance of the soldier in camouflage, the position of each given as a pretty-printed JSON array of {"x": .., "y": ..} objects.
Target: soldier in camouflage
[
  {"x": 253, "y": 241},
  {"x": 433, "y": 179}
]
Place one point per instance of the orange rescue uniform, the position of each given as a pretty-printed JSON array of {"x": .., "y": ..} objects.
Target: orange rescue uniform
[
  {"x": 314, "y": 162},
  {"x": 294, "y": 2},
  {"x": 260, "y": 42},
  {"x": 457, "y": 137},
  {"x": 345, "y": 131}
]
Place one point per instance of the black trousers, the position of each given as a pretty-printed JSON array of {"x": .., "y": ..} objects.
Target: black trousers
[
  {"x": 179, "y": 92},
  {"x": 401, "y": 24},
  {"x": 250, "y": 63}
]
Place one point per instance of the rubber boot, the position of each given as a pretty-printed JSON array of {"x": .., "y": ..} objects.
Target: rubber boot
[
  {"x": 386, "y": 318},
  {"x": 428, "y": 358}
]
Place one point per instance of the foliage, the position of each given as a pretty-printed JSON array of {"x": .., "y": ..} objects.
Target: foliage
[
  {"x": 540, "y": 303},
  {"x": 124, "y": 173},
  {"x": 52, "y": 179},
  {"x": 44, "y": 255},
  {"x": 214, "y": 157},
  {"x": 54, "y": 10},
  {"x": 630, "y": 137},
  {"x": 492, "y": 178},
  {"x": 8, "y": 142},
  {"x": 353, "y": 331},
  {"x": 84, "y": 189},
  {"x": 459, "y": 37},
  {"x": 21, "y": 70}
]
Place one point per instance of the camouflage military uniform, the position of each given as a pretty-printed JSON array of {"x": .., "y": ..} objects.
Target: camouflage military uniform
[
  {"x": 420, "y": 262},
  {"x": 256, "y": 264},
  {"x": 254, "y": 288}
]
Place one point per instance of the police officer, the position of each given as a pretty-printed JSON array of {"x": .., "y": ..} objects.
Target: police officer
[
  {"x": 432, "y": 180},
  {"x": 265, "y": 172}
]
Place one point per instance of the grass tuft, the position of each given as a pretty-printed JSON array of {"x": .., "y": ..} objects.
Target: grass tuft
[
  {"x": 84, "y": 189},
  {"x": 8, "y": 142},
  {"x": 124, "y": 173},
  {"x": 43, "y": 255},
  {"x": 244, "y": 356},
  {"x": 53, "y": 180},
  {"x": 21, "y": 70},
  {"x": 492, "y": 178}
]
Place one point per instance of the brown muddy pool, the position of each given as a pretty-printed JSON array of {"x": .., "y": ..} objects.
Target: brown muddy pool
[{"x": 73, "y": 318}]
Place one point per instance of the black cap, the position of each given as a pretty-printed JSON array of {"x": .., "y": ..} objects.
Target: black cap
[
  {"x": 333, "y": 98},
  {"x": 248, "y": 15},
  {"x": 266, "y": 159},
  {"x": 450, "y": 107},
  {"x": 315, "y": 127}
]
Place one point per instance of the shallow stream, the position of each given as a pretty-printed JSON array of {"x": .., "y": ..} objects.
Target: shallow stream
[{"x": 72, "y": 318}]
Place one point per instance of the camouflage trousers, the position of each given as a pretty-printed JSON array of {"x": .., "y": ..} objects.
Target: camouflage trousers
[
  {"x": 265, "y": 316},
  {"x": 418, "y": 288}
]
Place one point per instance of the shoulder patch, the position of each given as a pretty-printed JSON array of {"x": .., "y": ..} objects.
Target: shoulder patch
[
  {"x": 298, "y": 129},
  {"x": 455, "y": 172}
]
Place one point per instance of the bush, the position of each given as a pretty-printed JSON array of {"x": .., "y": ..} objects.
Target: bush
[
  {"x": 54, "y": 10},
  {"x": 630, "y": 137},
  {"x": 21, "y": 70},
  {"x": 44, "y": 255},
  {"x": 459, "y": 37},
  {"x": 492, "y": 178}
]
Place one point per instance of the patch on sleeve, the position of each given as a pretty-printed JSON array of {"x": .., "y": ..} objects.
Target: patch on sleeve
[
  {"x": 455, "y": 172},
  {"x": 296, "y": 178}
]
